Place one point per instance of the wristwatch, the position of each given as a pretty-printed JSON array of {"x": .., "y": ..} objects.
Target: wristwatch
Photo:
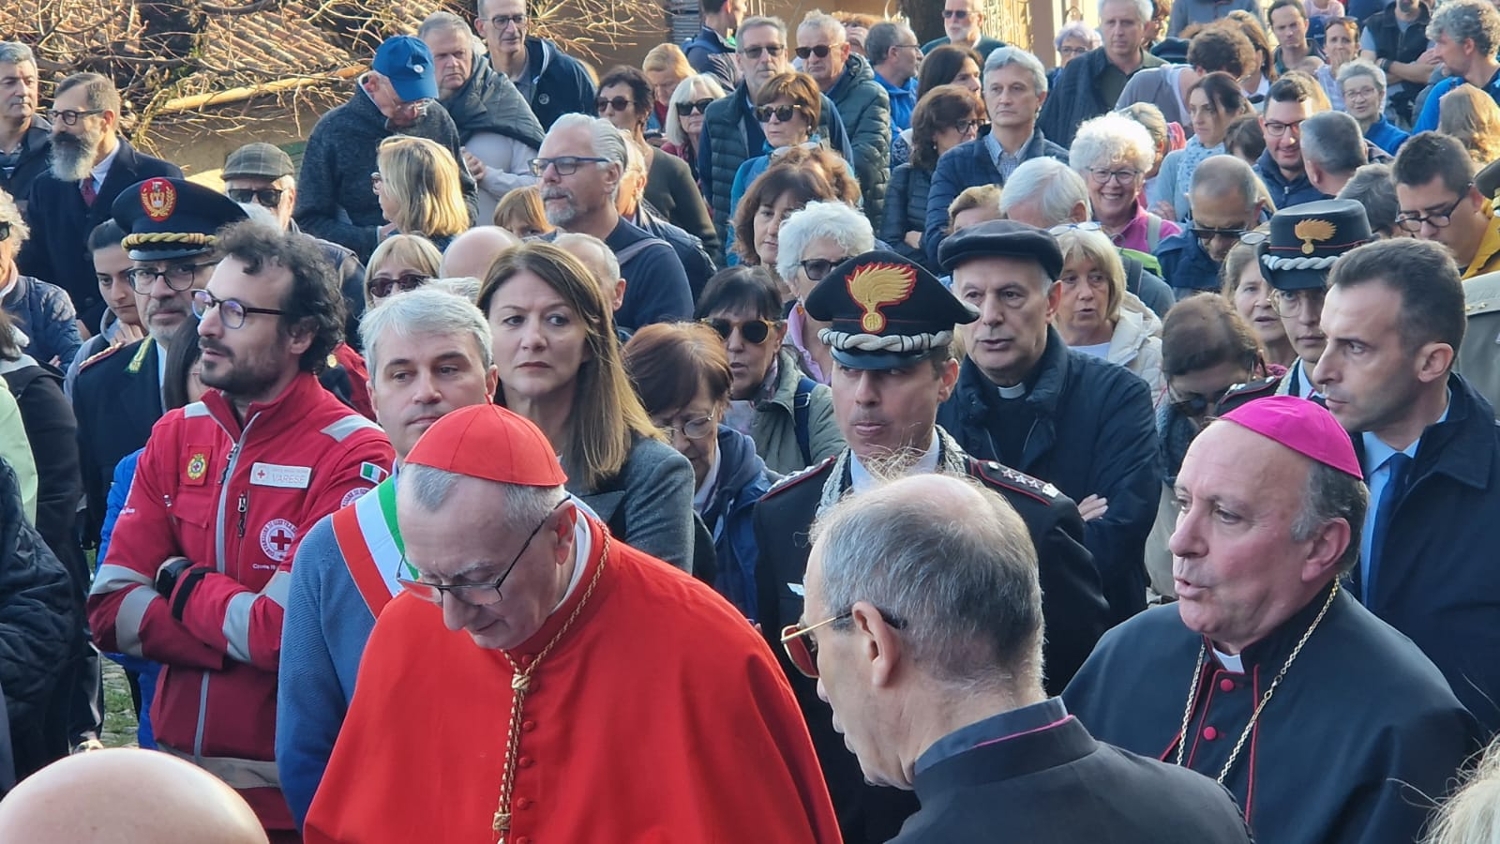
[
  {"x": 175, "y": 581},
  {"x": 167, "y": 574}
]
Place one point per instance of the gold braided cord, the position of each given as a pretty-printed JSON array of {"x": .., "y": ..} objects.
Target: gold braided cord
[
  {"x": 131, "y": 241},
  {"x": 1192, "y": 701},
  {"x": 520, "y": 684}
]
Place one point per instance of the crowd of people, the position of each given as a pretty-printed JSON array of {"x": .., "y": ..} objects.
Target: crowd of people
[{"x": 811, "y": 435}]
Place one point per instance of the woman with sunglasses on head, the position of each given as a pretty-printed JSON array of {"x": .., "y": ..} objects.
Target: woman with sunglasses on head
[
  {"x": 756, "y": 228},
  {"x": 814, "y": 240},
  {"x": 1094, "y": 312},
  {"x": 684, "y": 121},
  {"x": 559, "y": 365},
  {"x": 401, "y": 263},
  {"x": 1248, "y": 292},
  {"x": 1113, "y": 154},
  {"x": 786, "y": 413},
  {"x": 682, "y": 374},
  {"x": 1214, "y": 102},
  {"x": 624, "y": 100},
  {"x": 420, "y": 190},
  {"x": 950, "y": 64},
  {"x": 945, "y": 117}
]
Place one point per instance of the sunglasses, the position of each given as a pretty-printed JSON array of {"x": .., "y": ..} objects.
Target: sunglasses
[
  {"x": 4, "y": 231},
  {"x": 700, "y": 106},
  {"x": 618, "y": 104},
  {"x": 802, "y": 649},
  {"x": 1196, "y": 404},
  {"x": 821, "y": 51},
  {"x": 772, "y": 50},
  {"x": 380, "y": 287},
  {"x": 782, "y": 113},
  {"x": 957, "y": 14},
  {"x": 268, "y": 197},
  {"x": 818, "y": 269},
  {"x": 755, "y": 331}
]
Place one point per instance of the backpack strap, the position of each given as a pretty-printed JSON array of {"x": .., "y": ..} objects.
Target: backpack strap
[{"x": 801, "y": 404}]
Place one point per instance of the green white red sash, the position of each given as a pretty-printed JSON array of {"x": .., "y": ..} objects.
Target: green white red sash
[{"x": 370, "y": 543}]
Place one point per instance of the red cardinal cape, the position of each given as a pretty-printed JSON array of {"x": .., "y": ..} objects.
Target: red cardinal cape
[{"x": 659, "y": 716}]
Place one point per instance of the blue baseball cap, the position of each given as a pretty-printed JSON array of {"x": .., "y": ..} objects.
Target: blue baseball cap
[{"x": 407, "y": 62}]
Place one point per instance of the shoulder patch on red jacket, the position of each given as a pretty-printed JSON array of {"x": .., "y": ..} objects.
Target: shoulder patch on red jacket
[
  {"x": 798, "y": 477},
  {"x": 1005, "y": 476}
]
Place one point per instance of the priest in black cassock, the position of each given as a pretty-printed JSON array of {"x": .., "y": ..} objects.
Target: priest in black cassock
[{"x": 1326, "y": 724}]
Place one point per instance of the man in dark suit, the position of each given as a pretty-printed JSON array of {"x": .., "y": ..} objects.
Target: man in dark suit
[
  {"x": 924, "y": 600},
  {"x": 90, "y": 165},
  {"x": 890, "y": 330}
]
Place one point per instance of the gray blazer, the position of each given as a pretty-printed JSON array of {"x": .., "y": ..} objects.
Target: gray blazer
[{"x": 649, "y": 504}]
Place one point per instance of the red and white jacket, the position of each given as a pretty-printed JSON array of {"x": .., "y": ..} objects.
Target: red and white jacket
[{"x": 234, "y": 499}]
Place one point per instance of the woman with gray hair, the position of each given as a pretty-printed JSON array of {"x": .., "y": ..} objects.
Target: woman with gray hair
[
  {"x": 813, "y": 241},
  {"x": 1072, "y": 41},
  {"x": 1113, "y": 154},
  {"x": 42, "y": 312}
]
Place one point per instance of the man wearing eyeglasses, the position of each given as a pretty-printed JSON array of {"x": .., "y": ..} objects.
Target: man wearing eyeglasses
[
  {"x": 1227, "y": 200},
  {"x": 1091, "y": 85},
  {"x": 1440, "y": 202},
  {"x": 712, "y": 50},
  {"x": 397, "y": 96},
  {"x": 963, "y": 21},
  {"x": 1291, "y": 100},
  {"x": 90, "y": 165},
  {"x": 891, "y": 327},
  {"x": 199, "y": 563},
  {"x": 937, "y": 688},
  {"x": 863, "y": 103},
  {"x": 552, "y": 82}
]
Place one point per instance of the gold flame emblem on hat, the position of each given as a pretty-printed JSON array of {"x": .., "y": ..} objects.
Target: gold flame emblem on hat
[
  {"x": 874, "y": 286},
  {"x": 158, "y": 198},
  {"x": 1313, "y": 231}
]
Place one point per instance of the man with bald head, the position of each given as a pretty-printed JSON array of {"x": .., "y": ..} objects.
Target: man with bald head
[
  {"x": 1227, "y": 200},
  {"x": 471, "y": 253},
  {"x": 126, "y": 796},
  {"x": 1266, "y": 674},
  {"x": 600, "y": 261}
]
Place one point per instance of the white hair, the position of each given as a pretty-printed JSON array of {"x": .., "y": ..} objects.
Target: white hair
[
  {"x": 833, "y": 220},
  {"x": 1109, "y": 138},
  {"x": 426, "y": 310},
  {"x": 1143, "y": 7},
  {"x": 1050, "y": 185},
  {"x": 1078, "y": 29},
  {"x": 824, "y": 23},
  {"x": 700, "y": 87},
  {"x": 1362, "y": 67},
  {"x": 11, "y": 213},
  {"x": 525, "y": 506},
  {"x": 606, "y": 141},
  {"x": 1002, "y": 56}
]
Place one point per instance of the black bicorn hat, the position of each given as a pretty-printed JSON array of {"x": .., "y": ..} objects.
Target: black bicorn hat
[
  {"x": 1002, "y": 238},
  {"x": 1305, "y": 240},
  {"x": 884, "y": 311},
  {"x": 171, "y": 218}
]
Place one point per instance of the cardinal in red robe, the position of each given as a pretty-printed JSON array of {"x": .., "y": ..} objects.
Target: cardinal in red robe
[{"x": 539, "y": 681}]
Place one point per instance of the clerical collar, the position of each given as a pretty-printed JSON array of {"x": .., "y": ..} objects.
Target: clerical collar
[
  {"x": 583, "y": 549},
  {"x": 861, "y": 479},
  {"x": 1014, "y": 391},
  {"x": 1231, "y": 662},
  {"x": 1006, "y": 725}
]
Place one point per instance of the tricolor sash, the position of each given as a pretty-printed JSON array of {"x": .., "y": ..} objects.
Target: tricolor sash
[{"x": 370, "y": 543}]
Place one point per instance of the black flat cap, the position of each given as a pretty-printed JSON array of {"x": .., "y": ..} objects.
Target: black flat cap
[{"x": 1002, "y": 238}]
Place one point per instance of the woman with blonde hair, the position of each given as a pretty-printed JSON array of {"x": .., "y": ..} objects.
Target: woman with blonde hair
[
  {"x": 666, "y": 66},
  {"x": 1470, "y": 115},
  {"x": 560, "y": 367},
  {"x": 400, "y": 264},
  {"x": 420, "y": 190},
  {"x": 1472, "y": 815},
  {"x": 1096, "y": 315},
  {"x": 684, "y": 123}
]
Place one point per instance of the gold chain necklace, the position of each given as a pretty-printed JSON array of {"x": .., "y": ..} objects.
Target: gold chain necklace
[
  {"x": 520, "y": 684},
  {"x": 1192, "y": 701}
]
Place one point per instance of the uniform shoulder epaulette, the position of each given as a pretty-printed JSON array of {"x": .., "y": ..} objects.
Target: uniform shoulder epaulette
[
  {"x": 1248, "y": 391},
  {"x": 797, "y": 477},
  {"x": 1003, "y": 475},
  {"x": 100, "y": 355}
]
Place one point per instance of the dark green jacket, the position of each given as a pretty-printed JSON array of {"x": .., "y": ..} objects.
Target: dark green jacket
[{"x": 865, "y": 108}]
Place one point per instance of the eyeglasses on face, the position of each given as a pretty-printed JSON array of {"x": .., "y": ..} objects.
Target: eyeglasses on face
[
  {"x": 474, "y": 594},
  {"x": 565, "y": 165},
  {"x": 700, "y": 106},
  {"x": 693, "y": 429},
  {"x": 964, "y": 127},
  {"x": 955, "y": 14},
  {"x": 755, "y": 331},
  {"x": 772, "y": 50},
  {"x": 179, "y": 276},
  {"x": 383, "y": 286},
  {"x": 1123, "y": 176},
  {"x": 782, "y": 113},
  {"x": 1206, "y": 234},
  {"x": 499, "y": 22},
  {"x": 616, "y": 103},
  {"x": 69, "y": 117},
  {"x": 1276, "y": 129},
  {"x": 819, "y": 50},
  {"x": 232, "y": 312},
  {"x": 802, "y": 649},
  {"x": 1291, "y": 303},
  {"x": 817, "y": 269},
  {"x": 1075, "y": 52},
  {"x": 1360, "y": 93},
  {"x": 1412, "y": 222},
  {"x": 1086, "y": 226},
  {"x": 268, "y": 197}
]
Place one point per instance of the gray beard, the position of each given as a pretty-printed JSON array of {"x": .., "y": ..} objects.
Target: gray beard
[
  {"x": 563, "y": 216},
  {"x": 70, "y": 163}
]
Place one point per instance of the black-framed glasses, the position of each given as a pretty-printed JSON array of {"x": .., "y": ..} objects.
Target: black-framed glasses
[
  {"x": 1440, "y": 220},
  {"x": 817, "y": 269},
  {"x": 772, "y": 50},
  {"x": 1275, "y": 128},
  {"x": 1291, "y": 303},
  {"x": 179, "y": 277},
  {"x": 802, "y": 649},
  {"x": 232, "y": 312},
  {"x": 1104, "y": 175},
  {"x": 616, "y": 103},
  {"x": 383, "y": 286},
  {"x": 1207, "y": 233},
  {"x": 782, "y": 113},
  {"x": 1074, "y": 52},
  {"x": 955, "y": 14},
  {"x": 69, "y": 117},
  {"x": 965, "y": 126},
  {"x": 565, "y": 165},
  {"x": 700, "y": 106},
  {"x": 693, "y": 429},
  {"x": 819, "y": 50},
  {"x": 269, "y": 197},
  {"x": 4, "y": 231},
  {"x": 473, "y": 594},
  {"x": 755, "y": 331},
  {"x": 499, "y": 21}
]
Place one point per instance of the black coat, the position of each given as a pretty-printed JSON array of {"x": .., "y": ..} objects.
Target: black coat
[
  {"x": 32, "y": 162},
  {"x": 1095, "y": 434},
  {"x": 1076, "y": 97},
  {"x": 1437, "y": 582},
  {"x": 116, "y": 400},
  {"x": 906, "y": 211},
  {"x": 53, "y": 434},
  {"x": 560, "y": 83},
  {"x": 1355, "y": 744},
  {"x": 60, "y": 225},
  {"x": 1060, "y": 785},
  {"x": 1072, "y": 602},
  {"x": 489, "y": 102}
]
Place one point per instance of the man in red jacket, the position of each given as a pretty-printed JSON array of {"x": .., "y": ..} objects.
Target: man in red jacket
[{"x": 199, "y": 566}]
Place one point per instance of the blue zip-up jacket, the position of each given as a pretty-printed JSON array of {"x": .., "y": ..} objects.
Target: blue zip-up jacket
[
  {"x": 46, "y": 314},
  {"x": 903, "y": 102},
  {"x": 1185, "y": 267},
  {"x": 1284, "y": 193},
  {"x": 1428, "y": 119},
  {"x": 743, "y": 479}
]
